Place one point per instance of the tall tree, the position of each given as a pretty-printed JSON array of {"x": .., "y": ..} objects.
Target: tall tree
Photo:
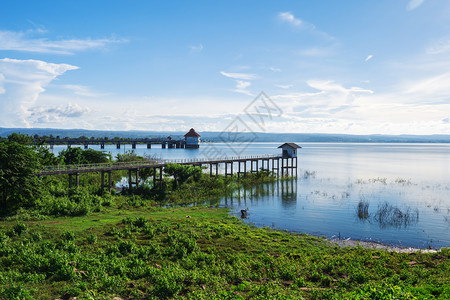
[
  {"x": 19, "y": 186},
  {"x": 76, "y": 156},
  {"x": 20, "y": 138},
  {"x": 182, "y": 173}
]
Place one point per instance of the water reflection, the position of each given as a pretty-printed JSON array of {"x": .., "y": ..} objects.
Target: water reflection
[
  {"x": 286, "y": 190},
  {"x": 289, "y": 193}
]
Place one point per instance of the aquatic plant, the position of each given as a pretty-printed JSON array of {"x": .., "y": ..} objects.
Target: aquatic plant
[
  {"x": 378, "y": 179},
  {"x": 390, "y": 215},
  {"x": 363, "y": 208},
  {"x": 307, "y": 174},
  {"x": 402, "y": 181}
]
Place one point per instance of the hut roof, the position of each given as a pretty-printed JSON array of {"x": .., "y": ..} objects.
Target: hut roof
[
  {"x": 192, "y": 133},
  {"x": 292, "y": 145}
]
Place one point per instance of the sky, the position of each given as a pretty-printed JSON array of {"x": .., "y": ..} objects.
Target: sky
[{"x": 349, "y": 67}]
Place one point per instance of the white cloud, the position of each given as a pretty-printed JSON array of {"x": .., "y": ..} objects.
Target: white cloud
[
  {"x": 57, "y": 114},
  {"x": 440, "y": 46},
  {"x": 196, "y": 48},
  {"x": 281, "y": 86},
  {"x": 413, "y": 4},
  {"x": 243, "y": 76},
  {"x": 82, "y": 90},
  {"x": 331, "y": 86},
  {"x": 20, "y": 41},
  {"x": 317, "y": 51},
  {"x": 242, "y": 84},
  {"x": 273, "y": 69},
  {"x": 289, "y": 17},
  {"x": 369, "y": 57},
  {"x": 22, "y": 83},
  {"x": 418, "y": 106},
  {"x": 329, "y": 101},
  {"x": 2, "y": 79},
  {"x": 241, "y": 87},
  {"x": 435, "y": 88}
]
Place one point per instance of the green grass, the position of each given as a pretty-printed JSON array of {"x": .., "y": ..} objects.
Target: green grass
[{"x": 200, "y": 253}]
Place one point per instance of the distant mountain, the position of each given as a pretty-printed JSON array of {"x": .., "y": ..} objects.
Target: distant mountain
[{"x": 210, "y": 136}]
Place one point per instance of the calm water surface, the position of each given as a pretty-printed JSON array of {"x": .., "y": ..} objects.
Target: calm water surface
[{"x": 392, "y": 193}]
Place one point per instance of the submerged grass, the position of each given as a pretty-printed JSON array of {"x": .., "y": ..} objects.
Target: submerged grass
[{"x": 200, "y": 253}]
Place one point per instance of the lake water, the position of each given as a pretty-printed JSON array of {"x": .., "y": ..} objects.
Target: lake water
[{"x": 391, "y": 193}]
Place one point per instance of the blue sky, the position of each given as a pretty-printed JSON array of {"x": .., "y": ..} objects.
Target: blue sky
[{"x": 355, "y": 67}]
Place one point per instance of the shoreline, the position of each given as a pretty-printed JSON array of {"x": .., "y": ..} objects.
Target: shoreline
[
  {"x": 348, "y": 242},
  {"x": 380, "y": 246}
]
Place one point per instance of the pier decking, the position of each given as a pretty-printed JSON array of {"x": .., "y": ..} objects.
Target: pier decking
[
  {"x": 241, "y": 164},
  {"x": 164, "y": 142}
]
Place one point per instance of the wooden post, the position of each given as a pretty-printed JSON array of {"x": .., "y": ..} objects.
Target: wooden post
[
  {"x": 210, "y": 170},
  {"x": 102, "y": 179},
  {"x": 296, "y": 166},
  {"x": 278, "y": 167},
  {"x": 292, "y": 166},
  {"x": 70, "y": 181},
  {"x": 137, "y": 178},
  {"x": 129, "y": 179},
  {"x": 160, "y": 177},
  {"x": 217, "y": 169},
  {"x": 239, "y": 168},
  {"x": 149, "y": 146},
  {"x": 109, "y": 181},
  {"x": 226, "y": 169}
]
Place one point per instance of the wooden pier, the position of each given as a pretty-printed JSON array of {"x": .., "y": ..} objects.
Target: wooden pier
[
  {"x": 280, "y": 165},
  {"x": 164, "y": 142}
]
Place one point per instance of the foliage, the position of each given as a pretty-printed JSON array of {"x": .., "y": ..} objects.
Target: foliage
[
  {"x": 45, "y": 157},
  {"x": 76, "y": 156},
  {"x": 159, "y": 253},
  {"x": 19, "y": 187},
  {"x": 181, "y": 173},
  {"x": 20, "y": 139},
  {"x": 91, "y": 156},
  {"x": 129, "y": 156}
]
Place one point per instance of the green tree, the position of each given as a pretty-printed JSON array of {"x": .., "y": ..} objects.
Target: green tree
[
  {"x": 129, "y": 156},
  {"x": 20, "y": 138},
  {"x": 182, "y": 173},
  {"x": 91, "y": 156},
  {"x": 72, "y": 156},
  {"x": 76, "y": 156},
  {"x": 19, "y": 186},
  {"x": 46, "y": 157}
]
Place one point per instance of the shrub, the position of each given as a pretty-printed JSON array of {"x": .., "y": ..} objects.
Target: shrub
[{"x": 20, "y": 228}]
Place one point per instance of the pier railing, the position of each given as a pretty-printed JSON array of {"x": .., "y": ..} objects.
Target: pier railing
[{"x": 66, "y": 169}]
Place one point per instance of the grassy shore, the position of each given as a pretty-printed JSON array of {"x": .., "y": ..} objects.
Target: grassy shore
[{"x": 200, "y": 253}]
